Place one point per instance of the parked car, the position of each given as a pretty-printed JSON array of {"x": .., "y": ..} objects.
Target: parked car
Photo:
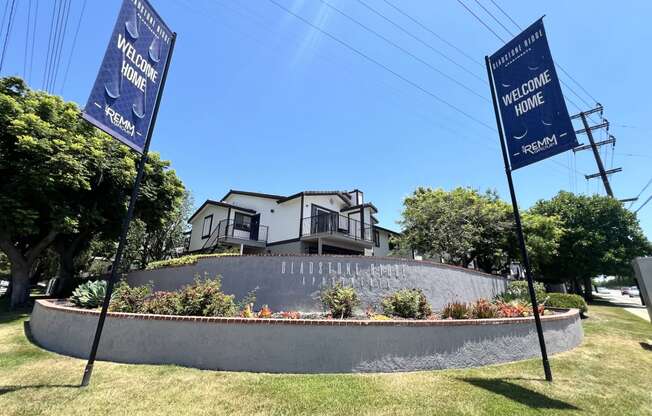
[
  {"x": 633, "y": 292},
  {"x": 602, "y": 289},
  {"x": 624, "y": 291}
]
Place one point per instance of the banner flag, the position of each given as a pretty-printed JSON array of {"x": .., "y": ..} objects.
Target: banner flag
[
  {"x": 122, "y": 100},
  {"x": 534, "y": 115}
]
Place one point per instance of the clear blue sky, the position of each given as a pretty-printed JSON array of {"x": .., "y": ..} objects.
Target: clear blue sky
[{"x": 258, "y": 100}]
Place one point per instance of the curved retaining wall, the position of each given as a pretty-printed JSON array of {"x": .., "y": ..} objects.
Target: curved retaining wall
[
  {"x": 300, "y": 346},
  {"x": 295, "y": 282}
]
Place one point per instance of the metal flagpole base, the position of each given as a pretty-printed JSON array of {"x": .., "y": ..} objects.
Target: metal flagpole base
[{"x": 86, "y": 379}]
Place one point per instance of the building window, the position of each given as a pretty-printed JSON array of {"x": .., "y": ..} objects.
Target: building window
[
  {"x": 207, "y": 226},
  {"x": 242, "y": 222},
  {"x": 376, "y": 238}
]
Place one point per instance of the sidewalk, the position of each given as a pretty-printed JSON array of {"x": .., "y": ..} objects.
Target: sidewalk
[{"x": 631, "y": 305}]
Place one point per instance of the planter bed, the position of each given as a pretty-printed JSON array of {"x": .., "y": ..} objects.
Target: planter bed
[{"x": 300, "y": 345}]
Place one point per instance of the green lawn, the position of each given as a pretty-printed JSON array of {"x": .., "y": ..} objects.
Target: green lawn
[{"x": 609, "y": 374}]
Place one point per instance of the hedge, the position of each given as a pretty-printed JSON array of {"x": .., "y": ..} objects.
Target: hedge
[
  {"x": 566, "y": 300},
  {"x": 184, "y": 260}
]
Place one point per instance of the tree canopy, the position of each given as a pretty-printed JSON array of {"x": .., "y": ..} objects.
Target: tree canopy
[
  {"x": 65, "y": 182},
  {"x": 569, "y": 238},
  {"x": 600, "y": 237},
  {"x": 457, "y": 226}
]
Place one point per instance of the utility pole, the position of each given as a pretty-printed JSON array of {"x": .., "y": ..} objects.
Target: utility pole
[{"x": 588, "y": 130}]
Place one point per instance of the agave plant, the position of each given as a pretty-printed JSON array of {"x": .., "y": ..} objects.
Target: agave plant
[{"x": 89, "y": 294}]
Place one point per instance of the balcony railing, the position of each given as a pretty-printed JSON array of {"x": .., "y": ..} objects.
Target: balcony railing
[
  {"x": 336, "y": 224},
  {"x": 232, "y": 230}
]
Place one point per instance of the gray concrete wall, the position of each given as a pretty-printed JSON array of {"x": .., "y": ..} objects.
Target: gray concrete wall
[
  {"x": 301, "y": 346},
  {"x": 295, "y": 282},
  {"x": 643, "y": 270}
]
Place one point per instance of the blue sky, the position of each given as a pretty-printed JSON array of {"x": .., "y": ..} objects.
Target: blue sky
[{"x": 258, "y": 100}]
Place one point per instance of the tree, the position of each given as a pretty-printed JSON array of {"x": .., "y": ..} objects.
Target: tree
[
  {"x": 159, "y": 201},
  {"x": 600, "y": 237},
  {"x": 160, "y": 241},
  {"x": 542, "y": 238},
  {"x": 64, "y": 183},
  {"x": 458, "y": 226}
]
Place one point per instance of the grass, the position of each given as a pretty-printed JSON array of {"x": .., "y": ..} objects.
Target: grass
[{"x": 610, "y": 373}]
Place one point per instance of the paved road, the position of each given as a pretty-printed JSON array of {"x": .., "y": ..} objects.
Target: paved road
[{"x": 632, "y": 305}]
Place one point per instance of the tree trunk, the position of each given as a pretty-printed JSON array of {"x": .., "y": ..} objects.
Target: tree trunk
[
  {"x": 66, "y": 273},
  {"x": 588, "y": 294},
  {"x": 19, "y": 285},
  {"x": 21, "y": 265}
]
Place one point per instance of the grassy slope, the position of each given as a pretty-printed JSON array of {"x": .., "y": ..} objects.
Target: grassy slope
[{"x": 611, "y": 373}]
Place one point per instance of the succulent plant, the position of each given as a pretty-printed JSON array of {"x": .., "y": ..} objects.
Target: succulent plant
[{"x": 89, "y": 294}]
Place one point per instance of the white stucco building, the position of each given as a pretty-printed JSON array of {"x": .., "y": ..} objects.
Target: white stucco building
[{"x": 308, "y": 222}]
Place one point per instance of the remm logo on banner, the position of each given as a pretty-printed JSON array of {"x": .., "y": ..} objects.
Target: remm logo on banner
[
  {"x": 125, "y": 90},
  {"x": 534, "y": 115}
]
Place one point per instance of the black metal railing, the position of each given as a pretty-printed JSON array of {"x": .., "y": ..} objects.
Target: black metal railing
[
  {"x": 334, "y": 223},
  {"x": 230, "y": 229}
]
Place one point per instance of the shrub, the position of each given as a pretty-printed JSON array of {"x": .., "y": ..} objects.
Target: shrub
[
  {"x": 250, "y": 299},
  {"x": 89, "y": 294},
  {"x": 221, "y": 305},
  {"x": 129, "y": 299},
  {"x": 265, "y": 312},
  {"x": 291, "y": 315},
  {"x": 194, "y": 299},
  {"x": 161, "y": 303},
  {"x": 516, "y": 309},
  {"x": 483, "y": 309},
  {"x": 378, "y": 317},
  {"x": 566, "y": 300},
  {"x": 340, "y": 300},
  {"x": 518, "y": 290},
  {"x": 247, "y": 312},
  {"x": 407, "y": 303},
  {"x": 455, "y": 310}
]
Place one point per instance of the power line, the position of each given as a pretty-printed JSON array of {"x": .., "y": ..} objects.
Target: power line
[
  {"x": 399, "y": 93},
  {"x": 426, "y": 44},
  {"x": 494, "y": 17},
  {"x": 427, "y": 29},
  {"x": 481, "y": 21},
  {"x": 31, "y": 56},
  {"x": 558, "y": 65},
  {"x": 508, "y": 16},
  {"x": 4, "y": 16},
  {"x": 381, "y": 65},
  {"x": 396, "y": 74},
  {"x": 265, "y": 23},
  {"x": 47, "y": 56},
  {"x": 72, "y": 49},
  {"x": 643, "y": 204},
  {"x": 27, "y": 33},
  {"x": 55, "y": 49},
  {"x": 402, "y": 49},
  {"x": 640, "y": 193},
  {"x": 6, "y": 41},
  {"x": 578, "y": 84},
  {"x": 57, "y": 61}
]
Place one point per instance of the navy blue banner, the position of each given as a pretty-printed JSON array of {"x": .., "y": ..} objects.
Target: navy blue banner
[
  {"x": 534, "y": 115},
  {"x": 125, "y": 90}
]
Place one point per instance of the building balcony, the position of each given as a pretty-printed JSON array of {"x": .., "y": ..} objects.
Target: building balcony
[
  {"x": 333, "y": 226},
  {"x": 229, "y": 231}
]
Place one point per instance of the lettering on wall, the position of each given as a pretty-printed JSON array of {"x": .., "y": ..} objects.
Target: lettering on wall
[{"x": 347, "y": 273}]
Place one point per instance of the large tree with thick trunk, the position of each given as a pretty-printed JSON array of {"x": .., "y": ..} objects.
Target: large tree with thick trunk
[{"x": 65, "y": 182}]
